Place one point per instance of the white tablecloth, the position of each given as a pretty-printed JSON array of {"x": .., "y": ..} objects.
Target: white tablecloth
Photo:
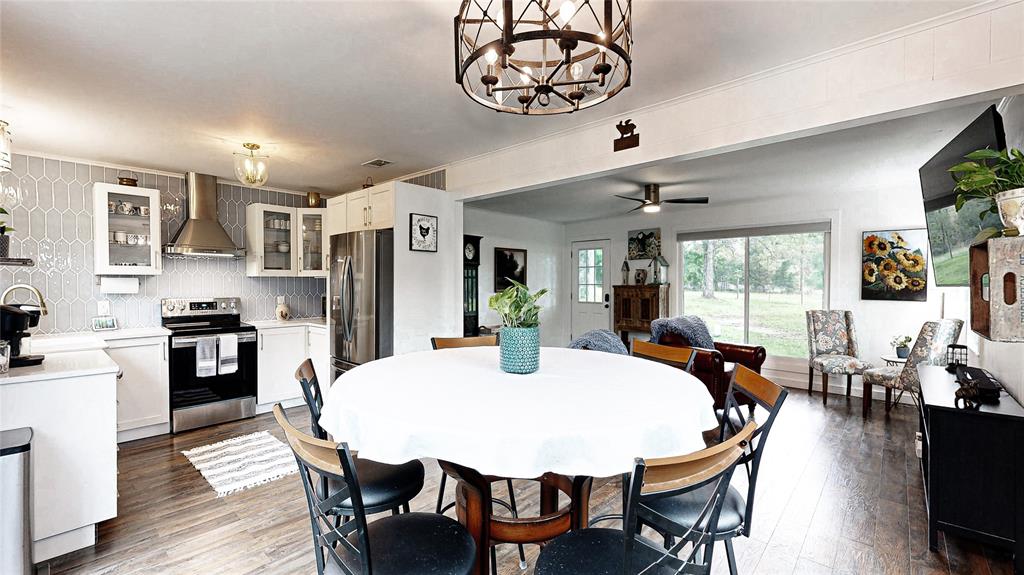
[{"x": 583, "y": 413}]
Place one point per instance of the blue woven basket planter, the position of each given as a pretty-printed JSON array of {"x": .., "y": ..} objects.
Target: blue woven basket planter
[{"x": 520, "y": 349}]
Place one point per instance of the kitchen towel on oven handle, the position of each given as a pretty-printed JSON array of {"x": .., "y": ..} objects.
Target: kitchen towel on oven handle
[
  {"x": 227, "y": 362},
  {"x": 206, "y": 356}
]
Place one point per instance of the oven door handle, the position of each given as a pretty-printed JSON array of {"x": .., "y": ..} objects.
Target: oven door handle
[{"x": 182, "y": 342}]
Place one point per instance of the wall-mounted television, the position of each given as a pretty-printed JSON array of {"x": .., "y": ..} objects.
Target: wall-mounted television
[{"x": 950, "y": 231}]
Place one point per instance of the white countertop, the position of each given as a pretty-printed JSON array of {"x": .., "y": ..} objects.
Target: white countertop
[
  {"x": 87, "y": 340},
  {"x": 62, "y": 366},
  {"x": 295, "y": 322}
]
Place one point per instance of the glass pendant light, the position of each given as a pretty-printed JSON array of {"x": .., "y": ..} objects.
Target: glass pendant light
[
  {"x": 5, "y": 148},
  {"x": 250, "y": 169}
]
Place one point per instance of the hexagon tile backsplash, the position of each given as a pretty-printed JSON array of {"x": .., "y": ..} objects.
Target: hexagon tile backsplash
[{"x": 53, "y": 219}]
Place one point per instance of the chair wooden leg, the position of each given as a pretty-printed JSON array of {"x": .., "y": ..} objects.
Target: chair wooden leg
[
  {"x": 888, "y": 398},
  {"x": 440, "y": 492},
  {"x": 824, "y": 389},
  {"x": 866, "y": 409},
  {"x": 810, "y": 381},
  {"x": 849, "y": 383},
  {"x": 730, "y": 555}
]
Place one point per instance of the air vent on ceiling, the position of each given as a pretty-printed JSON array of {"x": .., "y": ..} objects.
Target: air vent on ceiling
[{"x": 377, "y": 163}]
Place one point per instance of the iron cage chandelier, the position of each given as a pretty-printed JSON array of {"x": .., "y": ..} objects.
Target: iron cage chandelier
[{"x": 537, "y": 57}]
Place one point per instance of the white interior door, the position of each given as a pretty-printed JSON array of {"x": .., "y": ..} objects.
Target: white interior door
[{"x": 591, "y": 293}]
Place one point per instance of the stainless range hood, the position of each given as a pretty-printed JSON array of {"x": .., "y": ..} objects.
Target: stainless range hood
[{"x": 202, "y": 235}]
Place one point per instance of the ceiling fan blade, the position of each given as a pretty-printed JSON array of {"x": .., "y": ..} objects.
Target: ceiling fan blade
[
  {"x": 641, "y": 200},
  {"x": 702, "y": 200}
]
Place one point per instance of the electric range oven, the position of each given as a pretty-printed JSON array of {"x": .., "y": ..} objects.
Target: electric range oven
[{"x": 198, "y": 401}]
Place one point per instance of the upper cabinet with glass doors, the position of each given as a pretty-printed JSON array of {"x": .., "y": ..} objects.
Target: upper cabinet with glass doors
[
  {"x": 126, "y": 230},
  {"x": 283, "y": 241}
]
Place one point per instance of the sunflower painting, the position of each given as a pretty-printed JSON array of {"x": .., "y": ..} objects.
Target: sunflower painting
[{"x": 894, "y": 266}]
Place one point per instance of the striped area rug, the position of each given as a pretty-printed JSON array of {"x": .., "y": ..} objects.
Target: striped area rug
[{"x": 242, "y": 462}]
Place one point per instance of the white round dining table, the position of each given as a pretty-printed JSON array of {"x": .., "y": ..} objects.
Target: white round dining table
[{"x": 583, "y": 413}]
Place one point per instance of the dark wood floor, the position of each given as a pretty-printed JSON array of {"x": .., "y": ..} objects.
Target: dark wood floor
[{"x": 837, "y": 494}]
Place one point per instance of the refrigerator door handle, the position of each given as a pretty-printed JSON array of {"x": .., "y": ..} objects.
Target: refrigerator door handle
[{"x": 349, "y": 303}]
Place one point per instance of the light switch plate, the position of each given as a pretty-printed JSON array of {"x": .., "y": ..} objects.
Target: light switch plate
[{"x": 103, "y": 307}]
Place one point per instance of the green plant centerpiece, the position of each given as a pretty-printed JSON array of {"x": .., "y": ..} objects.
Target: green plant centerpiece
[
  {"x": 520, "y": 332},
  {"x": 5, "y": 240},
  {"x": 996, "y": 176}
]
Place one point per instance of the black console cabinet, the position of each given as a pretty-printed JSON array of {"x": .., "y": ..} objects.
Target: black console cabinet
[{"x": 973, "y": 465}]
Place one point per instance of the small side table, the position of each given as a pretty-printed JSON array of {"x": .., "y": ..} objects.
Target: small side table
[{"x": 893, "y": 360}]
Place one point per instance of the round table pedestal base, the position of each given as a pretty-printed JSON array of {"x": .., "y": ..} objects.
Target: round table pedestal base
[{"x": 473, "y": 506}]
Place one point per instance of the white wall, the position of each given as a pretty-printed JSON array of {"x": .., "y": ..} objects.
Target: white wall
[
  {"x": 967, "y": 56},
  {"x": 428, "y": 286},
  {"x": 546, "y": 260},
  {"x": 885, "y": 206}
]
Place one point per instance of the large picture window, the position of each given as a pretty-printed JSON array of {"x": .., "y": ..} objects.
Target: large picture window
[{"x": 754, "y": 285}]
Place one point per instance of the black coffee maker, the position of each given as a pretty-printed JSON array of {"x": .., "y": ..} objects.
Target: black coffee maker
[{"x": 15, "y": 321}]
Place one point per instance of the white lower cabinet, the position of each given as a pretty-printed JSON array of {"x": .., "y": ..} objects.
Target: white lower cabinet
[
  {"x": 281, "y": 350},
  {"x": 142, "y": 386},
  {"x": 319, "y": 352}
]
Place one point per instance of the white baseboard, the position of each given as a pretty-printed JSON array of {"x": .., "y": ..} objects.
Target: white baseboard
[
  {"x": 836, "y": 385},
  {"x": 61, "y": 543},
  {"x": 286, "y": 403},
  {"x": 143, "y": 432}
]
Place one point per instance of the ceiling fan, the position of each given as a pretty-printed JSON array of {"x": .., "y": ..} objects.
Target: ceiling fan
[{"x": 652, "y": 200}]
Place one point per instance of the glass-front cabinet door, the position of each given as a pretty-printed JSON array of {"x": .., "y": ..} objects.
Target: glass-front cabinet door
[
  {"x": 312, "y": 239},
  {"x": 126, "y": 230}
]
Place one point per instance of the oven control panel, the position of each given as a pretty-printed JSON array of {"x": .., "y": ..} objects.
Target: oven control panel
[{"x": 186, "y": 307}]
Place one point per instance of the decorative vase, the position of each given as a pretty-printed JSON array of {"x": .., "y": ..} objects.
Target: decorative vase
[
  {"x": 902, "y": 352},
  {"x": 5, "y": 246},
  {"x": 1011, "y": 208},
  {"x": 641, "y": 277},
  {"x": 520, "y": 349}
]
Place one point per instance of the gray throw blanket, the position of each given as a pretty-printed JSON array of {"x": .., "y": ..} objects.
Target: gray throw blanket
[
  {"x": 600, "y": 340},
  {"x": 690, "y": 327}
]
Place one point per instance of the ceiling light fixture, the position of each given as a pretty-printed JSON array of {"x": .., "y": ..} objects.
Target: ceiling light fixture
[
  {"x": 557, "y": 57},
  {"x": 250, "y": 169}
]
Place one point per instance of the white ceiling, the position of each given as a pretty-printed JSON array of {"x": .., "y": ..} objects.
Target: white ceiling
[
  {"x": 326, "y": 86},
  {"x": 836, "y": 163}
]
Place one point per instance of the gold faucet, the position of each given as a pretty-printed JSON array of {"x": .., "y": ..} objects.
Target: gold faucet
[{"x": 16, "y": 287}]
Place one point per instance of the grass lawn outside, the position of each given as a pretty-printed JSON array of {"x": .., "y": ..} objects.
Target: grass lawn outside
[
  {"x": 952, "y": 271},
  {"x": 777, "y": 321}
]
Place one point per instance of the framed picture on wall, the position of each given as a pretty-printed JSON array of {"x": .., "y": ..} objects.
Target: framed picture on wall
[
  {"x": 894, "y": 265},
  {"x": 422, "y": 233},
  {"x": 509, "y": 263},
  {"x": 643, "y": 244}
]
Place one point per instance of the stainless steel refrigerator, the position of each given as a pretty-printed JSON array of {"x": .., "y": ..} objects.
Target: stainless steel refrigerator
[{"x": 362, "y": 298}]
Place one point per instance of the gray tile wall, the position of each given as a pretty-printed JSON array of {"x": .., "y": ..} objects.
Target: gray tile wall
[{"x": 53, "y": 222}]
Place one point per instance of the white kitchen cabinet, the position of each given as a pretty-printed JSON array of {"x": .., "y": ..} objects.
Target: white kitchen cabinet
[
  {"x": 126, "y": 230},
  {"x": 312, "y": 239},
  {"x": 357, "y": 208},
  {"x": 142, "y": 386},
  {"x": 281, "y": 350},
  {"x": 337, "y": 216},
  {"x": 370, "y": 208},
  {"x": 319, "y": 351},
  {"x": 284, "y": 242}
]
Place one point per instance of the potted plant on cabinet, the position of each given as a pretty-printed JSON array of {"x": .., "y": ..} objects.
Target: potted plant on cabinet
[
  {"x": 902, "y": 345},
  {"x": 5, "y": 240},
  {"x": 519, "y": 337},
  {"x": 998, "y": 177}
]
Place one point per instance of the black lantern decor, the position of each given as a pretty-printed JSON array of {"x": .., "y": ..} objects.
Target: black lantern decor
[{"x": 956, "y": 355}]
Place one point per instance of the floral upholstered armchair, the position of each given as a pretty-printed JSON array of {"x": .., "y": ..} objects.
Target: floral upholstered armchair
[
  {"x": 929, "y": 349},
  {"x": 832, "y": 343}
]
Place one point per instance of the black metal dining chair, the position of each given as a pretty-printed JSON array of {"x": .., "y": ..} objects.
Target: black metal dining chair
[
  {"x": 604, "y": 551},
  {"x": 384, "y": 487},
  {"x": 406, "y": 544},
  {"x": 477, "y": 341},
  {"x": 737, "y": 512}
]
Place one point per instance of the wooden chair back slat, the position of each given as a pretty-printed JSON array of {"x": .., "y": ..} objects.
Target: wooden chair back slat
[
  {"x": 672, "y": 473},
  {"x": 680, "y": 357},
  {"x": 318, "y": 453},
  {"x": 454, "y": 342},
  {"x": 757, "y": 387}
]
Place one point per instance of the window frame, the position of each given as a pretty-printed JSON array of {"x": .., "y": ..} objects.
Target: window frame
[{"x": 746, "y": 233}]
